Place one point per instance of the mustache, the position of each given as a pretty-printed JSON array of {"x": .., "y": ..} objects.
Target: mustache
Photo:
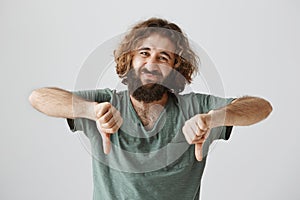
[
  {"x": 155, "y": 72},
  {"x": 175, "y": 81}
]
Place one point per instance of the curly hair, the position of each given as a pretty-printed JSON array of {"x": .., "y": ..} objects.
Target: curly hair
[{"x": 186, "y": 61}]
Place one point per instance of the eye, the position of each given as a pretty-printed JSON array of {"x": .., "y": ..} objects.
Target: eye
[
  {"x": 144, "y": 53},
  {"x": 163, "y": 58}
]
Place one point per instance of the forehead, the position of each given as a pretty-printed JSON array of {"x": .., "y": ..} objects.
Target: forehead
[{"x": 157, "y": 42}]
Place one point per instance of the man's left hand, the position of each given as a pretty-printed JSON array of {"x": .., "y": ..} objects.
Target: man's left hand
[{"x": 196, "y": 131}]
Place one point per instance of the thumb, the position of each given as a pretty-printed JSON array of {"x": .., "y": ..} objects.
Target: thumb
[
  {"x": 106, "y": 142},
  {"x": 198, "y": 151}
]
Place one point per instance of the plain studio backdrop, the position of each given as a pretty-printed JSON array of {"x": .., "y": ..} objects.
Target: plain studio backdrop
[{"x": 255, "y": 48}]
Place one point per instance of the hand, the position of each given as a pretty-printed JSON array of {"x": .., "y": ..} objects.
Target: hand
[
  {"x": 196, "y": 131},
  {"x": 108, "y": 120}
]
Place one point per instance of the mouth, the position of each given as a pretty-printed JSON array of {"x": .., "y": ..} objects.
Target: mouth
[{"x": 148, "y": 77}]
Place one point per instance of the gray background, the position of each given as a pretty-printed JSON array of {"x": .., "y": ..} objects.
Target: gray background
[{"x": 254, "y": 44}]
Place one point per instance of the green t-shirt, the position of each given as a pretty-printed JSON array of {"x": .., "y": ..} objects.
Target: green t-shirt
[{"x": 149, "y": 164}]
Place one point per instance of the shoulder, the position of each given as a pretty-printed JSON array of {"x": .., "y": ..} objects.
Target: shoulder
[
  {"x": 202, "y": 102},
  {"x": 98, "y": 95},
  {"x": 193, "y": 97}
]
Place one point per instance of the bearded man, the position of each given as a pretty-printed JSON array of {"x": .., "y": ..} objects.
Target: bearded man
[{"x": 150, "y": 141}]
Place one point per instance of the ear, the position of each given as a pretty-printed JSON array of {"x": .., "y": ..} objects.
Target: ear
[{"x": 177, "y": 63}]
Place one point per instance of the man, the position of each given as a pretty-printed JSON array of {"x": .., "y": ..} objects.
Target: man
[{"x": 155, "y": 140}]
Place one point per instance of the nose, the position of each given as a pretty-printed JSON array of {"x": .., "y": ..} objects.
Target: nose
[{"x": 151, "y": 63}]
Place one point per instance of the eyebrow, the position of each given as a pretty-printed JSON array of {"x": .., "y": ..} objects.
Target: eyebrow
[{"x": 148, "y": 49}]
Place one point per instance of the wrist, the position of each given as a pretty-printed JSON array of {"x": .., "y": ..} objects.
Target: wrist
[
  {"x": 217, "y": 118},
  {"x": 206, "y": 118},
  {"x": 85, "y": 109}
]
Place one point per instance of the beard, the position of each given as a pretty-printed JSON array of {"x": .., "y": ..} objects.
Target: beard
[{"x": 146, "y": 93}]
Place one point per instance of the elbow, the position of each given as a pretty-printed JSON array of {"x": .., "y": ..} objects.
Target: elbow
[
  {"x": 267, "y": 107},
  {"x": 34, "y": 98},
  {"x": 270, "y": 108}
]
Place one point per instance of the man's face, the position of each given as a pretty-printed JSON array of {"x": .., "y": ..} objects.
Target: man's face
[
  {"x": 152, "y": 62},
  {"x": 153, "y": 59}
]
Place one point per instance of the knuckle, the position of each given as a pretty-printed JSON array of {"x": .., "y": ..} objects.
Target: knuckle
[
  {"x": 106, "y": 104},
  {"x": 108, "y": 124},
  {"x": 102, "y": 120},
  {"x": 115, "y": 116},
  {"x": 112, "y": 130},
  {"x": 197, "y": 134},
  {"x": 119, "y": 124},
  {"x": 111, "y": 123}
]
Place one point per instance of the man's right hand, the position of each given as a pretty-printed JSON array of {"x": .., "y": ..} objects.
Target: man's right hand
[
  {"x": 57, "y": 102},
  {"x": 108, "y": 120}
]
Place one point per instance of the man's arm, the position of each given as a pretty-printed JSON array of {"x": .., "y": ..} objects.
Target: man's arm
[
  {"x": 56, "y": 102},
  {"x": 243, "y": 111}
]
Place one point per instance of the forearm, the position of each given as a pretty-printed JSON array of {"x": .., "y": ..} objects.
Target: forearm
[
  {"x": 56, "y": 102},
  {"x": 241, "y": 112}
]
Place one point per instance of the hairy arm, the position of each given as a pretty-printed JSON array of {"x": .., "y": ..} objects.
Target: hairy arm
[
  {"x": 243, "y": 111},
  {"x": 57, "y": 102}
]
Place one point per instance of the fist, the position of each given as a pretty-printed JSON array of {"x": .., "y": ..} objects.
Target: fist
[
  {"x": 108, "y": 121},
  {"x": 196, "y": 131}
]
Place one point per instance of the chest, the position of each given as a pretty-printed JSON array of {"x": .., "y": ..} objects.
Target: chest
[{"x": 149, "y": 115}]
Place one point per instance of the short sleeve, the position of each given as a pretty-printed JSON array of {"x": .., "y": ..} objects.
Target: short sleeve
[
  {"x": 208, "y": 103},
  {"x": 213, "y": 103},
  {"x": 81, "y": 124},
  {"x": 203, "y": 103}
]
